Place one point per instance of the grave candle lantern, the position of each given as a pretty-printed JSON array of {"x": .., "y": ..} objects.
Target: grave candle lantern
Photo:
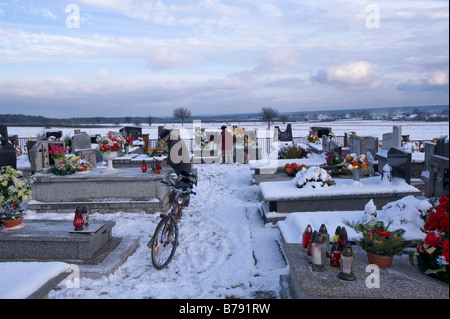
[
  {"x": 144, "y": 166},
  {"x": 306, "y": 237},
  {"x": 336, "y": 234},
  {"x": 346, "y": 262},
  {"x": 78, "y": 220},
  {"x": 313, "y": 238},
  {"x": 335, "y": 255},
  {"x": 318, "y": 251},
  {"x": 326, "y": 237},
  {"x": 342, "y": 238}
]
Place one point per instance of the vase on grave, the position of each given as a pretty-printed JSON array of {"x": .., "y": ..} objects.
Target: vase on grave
[
  {"x": 12, "y": 223},
  {"x": 109, "y": 160},
  {"x": 356, "y": 175},
  {"x": 382, "y": 261}
]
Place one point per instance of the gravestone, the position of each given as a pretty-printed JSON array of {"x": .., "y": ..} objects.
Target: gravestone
[
  {"x": 39, "y": 157},
  {"x": 357, "y": 144},
  {"x": 81, "y": 141},
  {"x": 134, "y": 132},
  {"x": 7, "y": 150},
  {"x": 439, "y": 174},
  {"x": 400, "y": 161},
  {"x": 372, "y": 144},
  {"x": 397, "y": 136},
  {"x": 81, "y": 146},
  {"x": 336, "y": 148},
  {"x": 387, "y": 141},
  {"x": 326, "y": 143},
  {"x": 49, "y": 134},
  {"x": 285, "y": 136},
  {"x": 320, "y": 131}
]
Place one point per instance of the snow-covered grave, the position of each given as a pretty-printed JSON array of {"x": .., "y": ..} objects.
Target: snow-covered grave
[
  {"x": 278, "y": 199},
  {"x": 33, "y": 280},
  {"x": 128, "y": 188}
]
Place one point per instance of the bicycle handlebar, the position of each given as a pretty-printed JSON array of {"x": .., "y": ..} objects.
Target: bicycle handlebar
[{"x": 172, "y": 184}]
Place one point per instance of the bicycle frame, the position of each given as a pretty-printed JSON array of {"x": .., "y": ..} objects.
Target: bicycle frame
[{"x": 165, "y": 239}]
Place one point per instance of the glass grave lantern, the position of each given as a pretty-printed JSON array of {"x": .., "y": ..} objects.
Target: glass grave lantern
[
  {"x": 318, "y": 252},
  {"x": 346, "y": 262},
  {"x": 326, "y": 238},
  {"x": 306, "y": 236}
]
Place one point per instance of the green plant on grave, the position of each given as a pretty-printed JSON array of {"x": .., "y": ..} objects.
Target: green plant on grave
[
  {"x": 292, "y": 151},
  {"x": 377, "y": 239}
]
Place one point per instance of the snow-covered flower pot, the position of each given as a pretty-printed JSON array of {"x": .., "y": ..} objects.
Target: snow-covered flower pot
[{"x": 313, "y": 177}]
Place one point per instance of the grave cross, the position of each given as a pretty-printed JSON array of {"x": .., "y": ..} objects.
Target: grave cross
[{"x": 44, "y": 153}]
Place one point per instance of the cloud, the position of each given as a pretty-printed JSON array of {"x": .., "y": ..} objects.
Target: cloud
[
  {"x": 437, "y": 81},
  {"x": 353, "y": 74}
]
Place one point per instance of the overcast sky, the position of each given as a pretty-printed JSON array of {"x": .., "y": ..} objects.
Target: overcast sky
[{"x": 141, "y": 58}]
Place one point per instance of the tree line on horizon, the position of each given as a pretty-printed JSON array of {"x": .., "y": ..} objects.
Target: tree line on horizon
[{"x": 266, "y": 114}]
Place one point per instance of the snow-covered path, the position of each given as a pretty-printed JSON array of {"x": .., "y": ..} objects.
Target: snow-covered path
[{"x": 225, "y": 249}]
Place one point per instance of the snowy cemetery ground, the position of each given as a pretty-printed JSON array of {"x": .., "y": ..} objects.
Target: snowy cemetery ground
[{"x": 226, "y": 250}]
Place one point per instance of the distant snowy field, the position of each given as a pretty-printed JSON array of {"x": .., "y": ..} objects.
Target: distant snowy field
[{"x": 415, "y": 130}]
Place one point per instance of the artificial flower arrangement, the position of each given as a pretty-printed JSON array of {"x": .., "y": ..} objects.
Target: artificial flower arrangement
[
  {"x": 160, "y": 150},
  {"x": 293, "y": 168},
  {"x": 353, "y": 162},
  {"x": 14, "y": 191},
  {"x": 313, "y": 138},
  {"x": 56, "y": 151},
  {"x": 376, "y": 238},
  {"x": 432, "y": 257},
  {"x": 110, "y": 143},
  {"x": 67, "y": 166},
  {"x": 313, "y": 177},
  {"x": 334, "y": 164},
  {"x": 128, "y": 140}
]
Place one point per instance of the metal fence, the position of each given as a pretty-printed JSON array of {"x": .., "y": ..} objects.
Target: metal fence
[{"x": 264, "y": 144}]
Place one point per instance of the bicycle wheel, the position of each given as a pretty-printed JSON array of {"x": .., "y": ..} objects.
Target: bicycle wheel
[{"x": 164, "y": 242}]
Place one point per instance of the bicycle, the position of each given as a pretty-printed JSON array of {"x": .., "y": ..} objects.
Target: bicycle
[{"x": 165, "y": 239}]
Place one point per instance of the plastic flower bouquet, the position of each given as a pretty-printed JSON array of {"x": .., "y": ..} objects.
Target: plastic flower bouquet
[
  {"x": 293, "y": 168},
  {"x": 353, "y": 162},
  {"x": 14, "y": 191},
  {"x": 128, "y": 140},
  {"x": 110, "y": 143},
  {"x": 56, "y": 151},
  {"x": 432, "y": 258}
]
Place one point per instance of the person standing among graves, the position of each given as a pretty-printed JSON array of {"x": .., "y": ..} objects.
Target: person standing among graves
[
  {"x": 225, "y": 144},
  {"x": 178, "y": 157}
]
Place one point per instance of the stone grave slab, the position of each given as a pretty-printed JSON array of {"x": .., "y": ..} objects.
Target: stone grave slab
[
  {"x": 128, "y": 190},
  {"x": 51, "y": 240},
  {"x": 281, "y": 198},
  {"x": 401, "y": 281}
]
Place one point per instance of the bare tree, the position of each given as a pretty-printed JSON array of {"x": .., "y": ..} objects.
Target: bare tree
[
  {"x": 268, "y": 115},
  {"x": 150, "y": 120},
  {"x": 284, "y": 118},
  {"x": 182, "y": 114}
]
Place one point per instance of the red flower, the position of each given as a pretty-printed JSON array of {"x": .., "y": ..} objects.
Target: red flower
[
  {"x": 444, "y": 224},
  {"x": 445, "y": 245},
  {"x": 384, "y": 234},
  {"x": 432, "y": 239}
]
